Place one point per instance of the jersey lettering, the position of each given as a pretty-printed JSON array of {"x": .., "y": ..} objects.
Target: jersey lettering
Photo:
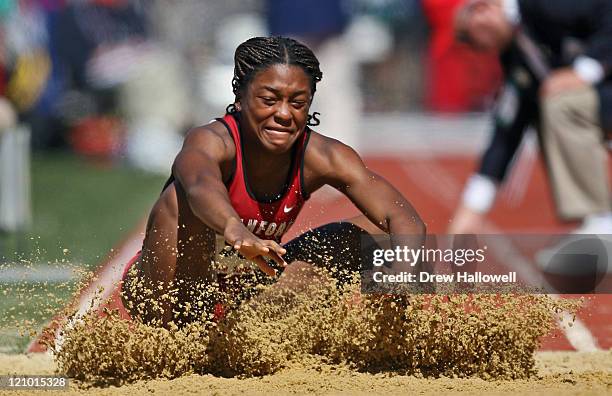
[
  {"x": 262, "y": 227},
  {"x": 266, "y": 228},
  {"x": 251, "y": 224},
  {"x": 271, "y": 228}
]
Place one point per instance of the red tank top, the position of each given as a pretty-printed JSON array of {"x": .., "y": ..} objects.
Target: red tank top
[{"x": 267, "y": 219}]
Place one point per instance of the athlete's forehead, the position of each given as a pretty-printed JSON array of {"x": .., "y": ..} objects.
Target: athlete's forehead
[{"x": 282, "y": 79}]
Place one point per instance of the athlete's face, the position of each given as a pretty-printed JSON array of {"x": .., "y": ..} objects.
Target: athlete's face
[{"x": 275, "y": 106}]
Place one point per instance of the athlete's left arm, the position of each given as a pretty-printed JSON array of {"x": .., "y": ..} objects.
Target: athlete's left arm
[{"x": 377, "y": 199}]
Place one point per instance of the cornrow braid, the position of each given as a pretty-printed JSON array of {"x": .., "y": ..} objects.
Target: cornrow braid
[{"x": 258, "y": 53}]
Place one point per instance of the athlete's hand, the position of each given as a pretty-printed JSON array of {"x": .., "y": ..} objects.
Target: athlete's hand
[{"x": 253, "y": 248}]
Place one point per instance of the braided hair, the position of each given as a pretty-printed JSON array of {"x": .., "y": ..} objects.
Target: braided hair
[{"x": 258, "y": 53}]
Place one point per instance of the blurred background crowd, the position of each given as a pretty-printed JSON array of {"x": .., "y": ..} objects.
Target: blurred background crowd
[
  {"x": 121, "y": 81},
  {"x": 126, "y": 78}
]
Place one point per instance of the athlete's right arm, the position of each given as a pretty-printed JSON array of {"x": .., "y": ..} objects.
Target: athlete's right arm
[{"x": 197, "y": 168}]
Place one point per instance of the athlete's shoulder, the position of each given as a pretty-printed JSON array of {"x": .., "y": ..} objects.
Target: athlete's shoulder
[
  {"x": 325, "y": 150},
  {"x": 212, "y": 138}
]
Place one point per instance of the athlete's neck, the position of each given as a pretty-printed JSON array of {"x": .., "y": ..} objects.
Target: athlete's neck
[
  {"x": 267, "y": 174},
  {"x": 263, "y": 162}
]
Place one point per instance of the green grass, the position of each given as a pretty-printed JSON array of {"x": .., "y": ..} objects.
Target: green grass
[
  {"x": 28, "y": 306},
  {"x": 78, "y": 205},
  {"x": 81, "y": 206}
]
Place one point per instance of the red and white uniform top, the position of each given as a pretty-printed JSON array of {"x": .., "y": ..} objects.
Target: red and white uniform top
[{"x": 267, "y": 219}]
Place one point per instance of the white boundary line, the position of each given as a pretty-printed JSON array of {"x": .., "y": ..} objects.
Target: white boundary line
[
  {"x": 423, "y": 133},
  {"x": 109, "y": 277},
  {"x": 17, "y": 273}
]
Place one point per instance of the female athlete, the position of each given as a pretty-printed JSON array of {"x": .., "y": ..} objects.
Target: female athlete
[{"x": 241, "y": 180}]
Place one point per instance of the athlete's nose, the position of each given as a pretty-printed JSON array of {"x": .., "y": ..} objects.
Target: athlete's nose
[{"x": 283, "y": 114}]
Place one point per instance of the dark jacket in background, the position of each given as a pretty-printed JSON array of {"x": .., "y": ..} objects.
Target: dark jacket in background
[{"x": 562, "y": 30}]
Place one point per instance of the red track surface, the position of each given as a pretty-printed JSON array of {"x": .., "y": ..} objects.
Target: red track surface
[{"x": 433, "y": 185}]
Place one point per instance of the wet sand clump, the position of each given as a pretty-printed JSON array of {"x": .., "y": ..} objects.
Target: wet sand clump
[
  {"x": 108, "y": 350},
  {"x": 315, "y": 323},
  {"x": 489, "y": 336}
]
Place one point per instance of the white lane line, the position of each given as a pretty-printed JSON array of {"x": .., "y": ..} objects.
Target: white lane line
[
  {"x": 109, "y": 277},
  {"x": 17, "y": 273},
  {"x": 443, "y": 187},
  {"x": 418, "y": 133},
  {"x": 576, "y": 331}
]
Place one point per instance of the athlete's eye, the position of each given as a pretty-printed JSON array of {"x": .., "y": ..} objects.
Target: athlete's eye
[
  {"x": 298, "y": 104},
  {"x": 267, "y": 100}
]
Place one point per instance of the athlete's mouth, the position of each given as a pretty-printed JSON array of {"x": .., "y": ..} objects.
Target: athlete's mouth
[{"x": 278, "y": 130}]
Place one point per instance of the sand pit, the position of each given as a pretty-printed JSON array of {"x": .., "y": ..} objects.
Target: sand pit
[
  {"x": 559, "y": 373},
  {"x": 317, "y": 338}
]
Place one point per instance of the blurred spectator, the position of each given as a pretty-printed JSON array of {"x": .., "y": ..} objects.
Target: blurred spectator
[
  {"x": 117, "y": 70},
  {"x": 459, "y": 79},
  {"x": 557, "y": 59},
  {"x": 27, "y": 63},
  {"x": 24, "y": 65},
  {"x": 321, "y": 25}
]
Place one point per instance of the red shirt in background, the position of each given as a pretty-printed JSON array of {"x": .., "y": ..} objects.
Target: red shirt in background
[{"x": 459, "y": 79}]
